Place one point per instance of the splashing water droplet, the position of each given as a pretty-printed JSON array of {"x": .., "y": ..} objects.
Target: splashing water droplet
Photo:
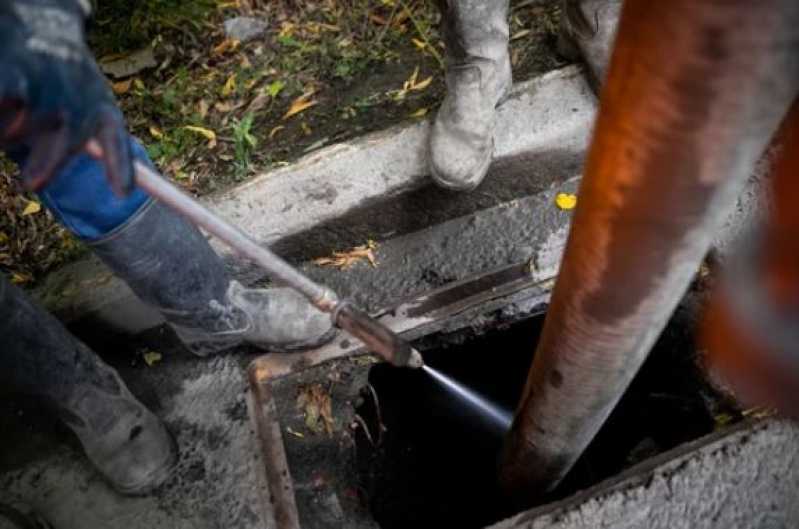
[{"x": 497, "y": 415}]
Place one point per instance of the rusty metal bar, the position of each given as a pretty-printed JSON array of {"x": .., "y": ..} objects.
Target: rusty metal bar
[
  {"x": 751, "y": 330},
  {"x": 694, "y": 92},
  {"x": 278, "y": 496}
]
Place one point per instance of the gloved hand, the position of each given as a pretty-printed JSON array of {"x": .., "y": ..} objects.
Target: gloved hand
[{"x": 53, "y": 97}]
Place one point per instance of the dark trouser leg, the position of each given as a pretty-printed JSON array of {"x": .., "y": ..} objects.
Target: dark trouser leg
[{"x": 125, "y": 441}]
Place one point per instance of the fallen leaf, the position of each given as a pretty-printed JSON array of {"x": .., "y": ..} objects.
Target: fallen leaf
[
  {"x": 274, "y": 88},
  {"x": 316, "y": 406},
  {"x": 31, "y": 208},
  {"x": 344, "y": 260},
  {"x": 419, "y": 43},
  {"x": 121, "y": 87},
  {"x": 202, "y": 108},
  {"x": 18, "y": 278},
  {"x": 295, "y": 433},
  {"x": 207, "y": 133},
  {"x": 151, "y": 358},
  {"x": 258, "y": 102},
  {"x": 156, "y": 133},
  {"x": 566, "y": 201},
  {"x": 225, "y": 46},
  {"x": 138, "y": 84},
  {"x": 520, "y": 34},
  {"x": 3, "y": 237},
  {"x": 230, "y": 86},
  {"x": 419, "y": 113},
  {"x": 274, "y": 131},
  {"x": 298, "y": 105}
]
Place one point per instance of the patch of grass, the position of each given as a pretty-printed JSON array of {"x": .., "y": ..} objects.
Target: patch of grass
[
  {"x": 119, "y": 26},
  {"x": 244, "y": 143}
]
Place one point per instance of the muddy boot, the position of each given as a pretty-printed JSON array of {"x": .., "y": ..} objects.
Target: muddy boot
[
  {"x": 478, "y": 77},
  {"x": 127, "y": 443},
  {"x": 587, "y": 32},
  {"x": 21, "y": 516},
  {"x": 169, "y": 264}
]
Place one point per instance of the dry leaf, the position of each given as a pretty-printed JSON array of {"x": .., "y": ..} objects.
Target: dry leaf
[
  {"x": 258, "y": 102},
  {"x": 419, "y": 113},
  {"x": 419, "y": 43},
  {"x": 411, "y": 85},
  {"x": 566, "y": 201},
  {"x": 274, "y": 131},
  {"x": 300, "y": 104},
  {"x": 122, "y": 87},
  {"x": 315, "y": 404},
  {"x": 225, "y": 46},
  {"x": 18, "y": 278},
  {"x": 230, "y": 86},
  {"x": 295, "y": 433},
  {"x": 202, "y": 108},
  {"x": 207, "y": 133},
  {"x": 31, "y": 208},
  {"x": 344, "y": 260},
  {"x": 520, "y": 34},
  {"x": 156, "y": 133},
  {"x": 151, "y": 358}
]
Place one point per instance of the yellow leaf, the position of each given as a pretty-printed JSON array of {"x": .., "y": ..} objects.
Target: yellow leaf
[
  {"x": 294, "y": 432},
  {"x": 18, "y": 278},
  {"x": 419, "y": 113},
  {"x": 138, "y": 84},
  {"x": 151, "y": 358},
  {"x": 155, "y": 133},
  {"x": 3, "y": 237},
  {"x": 121, "y": 87},
  {"x": 520, "y": 34},
  {"x": 565, "y": 200},
  {"x": 419, "y": 43},
  {"x": 225, "y": 46},
  {"x": 31, "y": 208},
  {"x": 230, "y": 85},
  {"x": 421, "y": 85},
  {"x": 206, "y": 133},
  {"x": 298, "y": 105}
]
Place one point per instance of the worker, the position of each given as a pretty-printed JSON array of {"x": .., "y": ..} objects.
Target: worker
[
  {"x": 478, "y": 75},
  {"x": 53, "y": 99}
]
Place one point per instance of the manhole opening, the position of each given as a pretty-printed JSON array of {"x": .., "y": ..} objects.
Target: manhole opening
[{"x": 435, "y": 462}]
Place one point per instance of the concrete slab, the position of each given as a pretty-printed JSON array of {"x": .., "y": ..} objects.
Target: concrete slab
[
  {"x": 741, "y": 479},
  {"x": 375, "y": 186}
]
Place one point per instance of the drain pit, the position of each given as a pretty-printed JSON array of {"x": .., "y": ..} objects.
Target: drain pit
[{"x": 431, "y": 458}]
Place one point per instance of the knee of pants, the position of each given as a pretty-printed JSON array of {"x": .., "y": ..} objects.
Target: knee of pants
[{"x": 81, "y": 198}]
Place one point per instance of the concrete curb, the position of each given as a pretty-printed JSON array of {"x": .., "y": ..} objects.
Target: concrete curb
[{"x": 747, "y": 477}]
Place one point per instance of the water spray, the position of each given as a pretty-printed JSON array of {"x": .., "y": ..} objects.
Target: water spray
[{"x": 498, "y": 416}]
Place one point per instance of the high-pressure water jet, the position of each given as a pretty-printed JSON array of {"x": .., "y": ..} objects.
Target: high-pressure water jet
[{"x": 497, "y": 415}]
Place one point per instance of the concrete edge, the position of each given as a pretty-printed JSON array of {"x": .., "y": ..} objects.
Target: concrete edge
[{"x": 642, "y": 496}]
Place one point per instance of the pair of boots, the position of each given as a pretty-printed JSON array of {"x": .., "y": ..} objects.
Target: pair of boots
[
  {"x": 478, "y": 76},
  {"x": 169, "y": 264}
]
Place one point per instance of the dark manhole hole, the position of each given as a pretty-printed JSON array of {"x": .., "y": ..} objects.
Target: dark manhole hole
[{"x": 435, "y": 463}]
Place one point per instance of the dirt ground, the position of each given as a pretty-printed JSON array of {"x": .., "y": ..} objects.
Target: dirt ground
[{"x": 213, "y": 112}]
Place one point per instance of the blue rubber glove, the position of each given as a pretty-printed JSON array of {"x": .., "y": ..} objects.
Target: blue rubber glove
[{"x": 53, "y": 98}]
